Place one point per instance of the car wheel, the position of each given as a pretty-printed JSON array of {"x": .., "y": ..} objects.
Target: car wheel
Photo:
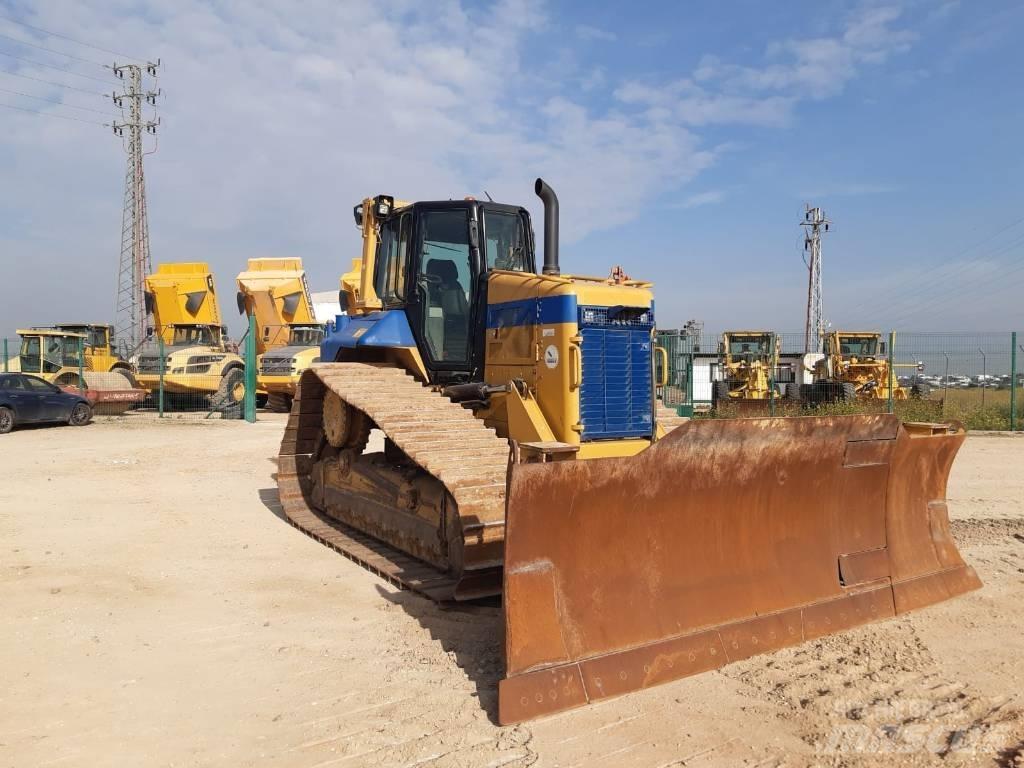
[
  {"x": 81, "y": 415},
  {"x": 6, "y": 420}
]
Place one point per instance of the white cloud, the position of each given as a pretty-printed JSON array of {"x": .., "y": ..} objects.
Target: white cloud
[
  {"x": 589, "y": 33},
  {"x": 711, "y": 197}
]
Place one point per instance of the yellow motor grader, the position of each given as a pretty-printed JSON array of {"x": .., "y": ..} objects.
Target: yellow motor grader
[
  {"x": 855, "y": 367},
  {"x": 197, "y": 369},
  {"x": 747, "y": 361},
  {"x": 288, "y": 336},
  {"x": 524, "y": 455}
]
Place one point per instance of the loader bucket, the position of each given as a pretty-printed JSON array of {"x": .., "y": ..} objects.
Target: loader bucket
[{"x": 725, "y": 539}]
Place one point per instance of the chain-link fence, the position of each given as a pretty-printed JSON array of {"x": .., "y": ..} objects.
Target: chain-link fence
[
  {"x": 183, "y": 376},
  {"x": 975, "y": 378}
]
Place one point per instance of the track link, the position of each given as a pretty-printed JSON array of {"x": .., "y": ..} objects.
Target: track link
[{"x": 442, "y": 438}]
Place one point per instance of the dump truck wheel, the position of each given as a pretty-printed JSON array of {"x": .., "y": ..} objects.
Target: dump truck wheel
[
  {"x": 6, "y": 420},
  {"x": 920, "y": 391},
  {"x": 279, "y": 403},
  {"x": 81, "y": 415},
  {"x": 231, "y": 389},
  {"x": 849, "y": 393},
  {"x": 793, "y": 392}
]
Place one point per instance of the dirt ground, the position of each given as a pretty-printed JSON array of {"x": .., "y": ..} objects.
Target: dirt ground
[{"x": 157, "y": 611}]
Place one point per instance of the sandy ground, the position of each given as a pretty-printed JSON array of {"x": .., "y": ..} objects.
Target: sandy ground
[{"x": 157, "y": 611}]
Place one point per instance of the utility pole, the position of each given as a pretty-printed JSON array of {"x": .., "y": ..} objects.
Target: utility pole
[
  {"x": 814, "y": 224},
  {"x": 135, "y": 262}
]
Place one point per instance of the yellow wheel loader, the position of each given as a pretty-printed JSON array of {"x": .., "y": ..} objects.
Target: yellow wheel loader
[
  {"x": 854, "y": 368},
  {"x": 198, "y": 368},
  {"x": 288, "y": 336},
  {"x": 747, "y": 361},
  {"x": 77, "y": 360},
  {"x": 524, "y": 455}
]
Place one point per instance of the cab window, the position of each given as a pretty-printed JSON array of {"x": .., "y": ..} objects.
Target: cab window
[
  {"x": 30, "y": 354},
  {"x": 506, "y": 241},
  {"x": 445, "y": 279},
  {"x": 392, "y": 258}
]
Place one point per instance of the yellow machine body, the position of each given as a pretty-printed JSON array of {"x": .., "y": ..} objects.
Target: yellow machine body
[
  {"x": 186, "y": 314},
  {"x": 276, "y": 293},
  {"x": 858, "y": 359},
  {"x": 747, "y": 361},
  {"x": 525, "y": 455}
]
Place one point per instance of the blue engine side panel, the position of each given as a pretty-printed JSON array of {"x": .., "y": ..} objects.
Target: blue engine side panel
[
  {"x": 616, "y": 395},
  {"x": 388, "y": 328}
]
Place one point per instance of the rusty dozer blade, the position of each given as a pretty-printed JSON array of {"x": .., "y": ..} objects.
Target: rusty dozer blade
[{"x": 725, "y": 539}]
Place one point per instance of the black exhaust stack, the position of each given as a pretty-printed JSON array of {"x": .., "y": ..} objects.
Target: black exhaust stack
[{"x": 547, "y": 194}]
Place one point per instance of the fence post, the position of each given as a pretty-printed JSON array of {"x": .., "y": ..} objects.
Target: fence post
[
  {"x": 892, "y": 369},
  {"x": 250, "y": 371},
  {"x": 1013, "y": 381},
  {"x": 163, "y": 363},
  {"x": 771, "y": 375},
  {"x": 81, "y": 365},
  {"x": 5, "y": 355}
]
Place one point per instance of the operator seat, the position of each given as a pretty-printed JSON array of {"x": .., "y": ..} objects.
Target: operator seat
[{"x": 449, "y": 296}]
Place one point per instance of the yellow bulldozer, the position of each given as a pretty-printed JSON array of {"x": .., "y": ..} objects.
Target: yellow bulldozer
[
  {"x": 288, "y": 336},
  {"x": 524, "y": 455},
  {"x": 747, "y": 362},
  {"x": 197, "y": 368},
  {"x": 80, "y": 356},
  {"x": 854, "y": 368}
]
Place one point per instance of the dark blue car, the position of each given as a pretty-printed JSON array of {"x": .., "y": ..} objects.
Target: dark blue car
[{"x": 31, "y": 400}]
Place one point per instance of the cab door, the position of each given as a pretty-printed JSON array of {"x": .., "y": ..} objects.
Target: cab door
[{"x": 443, "y": 304}]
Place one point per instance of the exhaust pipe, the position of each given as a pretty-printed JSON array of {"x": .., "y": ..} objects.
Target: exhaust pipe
[{"x": 547, "y": 194}]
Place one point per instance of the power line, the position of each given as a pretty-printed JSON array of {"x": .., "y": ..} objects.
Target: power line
[
  {"x": 69, "y": 39},
  {"x": 55, "y": 101},
  {"x": 51, "y": 50},
  {"x": 885, "y": 298},
  {"x": 54, "y": 66},
  {"x": 51, "y": 82},
  {"x": 52, "y": 114}
]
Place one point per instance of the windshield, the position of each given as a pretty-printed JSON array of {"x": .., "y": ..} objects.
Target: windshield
[
  {"x": 858, "y": 346},
  {"x": 748, "y": 346},
  {"x": 196, "y": 335},
  {"x": 307, "y": 335},
  {"x": 48, "y": 354},
  {"x": 506, "y": 241}
]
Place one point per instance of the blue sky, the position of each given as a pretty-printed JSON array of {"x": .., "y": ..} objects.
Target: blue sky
[{"x": 683, "y": 140}]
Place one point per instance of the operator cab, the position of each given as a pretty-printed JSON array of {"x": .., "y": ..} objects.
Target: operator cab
[{"x": 433, "y": 259}]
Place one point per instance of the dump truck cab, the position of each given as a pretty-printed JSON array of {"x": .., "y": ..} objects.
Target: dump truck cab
[
  {"x": 747, "y": 361},
  {"x": 275, "y": 292},
  {"x": 187, "y": 351}
]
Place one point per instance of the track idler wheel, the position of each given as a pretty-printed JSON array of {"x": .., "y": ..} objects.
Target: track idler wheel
[{"x": 345, "y": 426}]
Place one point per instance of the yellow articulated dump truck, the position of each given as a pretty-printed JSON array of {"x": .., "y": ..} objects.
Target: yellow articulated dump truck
[
  {"x": 198, "y": 369},
  {"x": 288, "y": 336},
  {"x": 524, "y": 455},
  {"x": 747, "y": 361},
  {"x": 75, "y": 357}
]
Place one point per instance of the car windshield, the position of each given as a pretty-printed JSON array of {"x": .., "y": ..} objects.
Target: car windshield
[
  {"x": 748, "y": 346},
  {"x": 307, "y": 335},
  {"x": 196, "y": 335},
  {"x": 858, "y": 346}
]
